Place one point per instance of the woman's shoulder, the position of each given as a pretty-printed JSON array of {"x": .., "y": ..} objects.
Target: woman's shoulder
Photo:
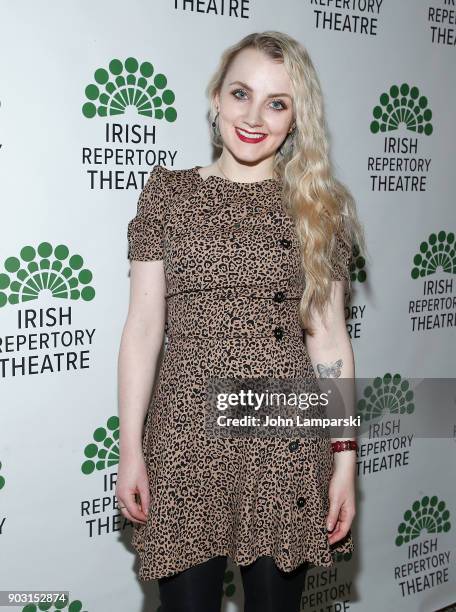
[
  {"x": 175, "y": 174},
  {"x": 175, "y": 179}
]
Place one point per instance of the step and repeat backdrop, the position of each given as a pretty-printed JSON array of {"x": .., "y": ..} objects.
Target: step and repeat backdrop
[{"x": 93, "y": 95}]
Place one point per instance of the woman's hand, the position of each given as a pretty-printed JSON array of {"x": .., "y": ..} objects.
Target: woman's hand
[
  {"x": 341, "y": 496},
  {"x": 132, "y": 479}
]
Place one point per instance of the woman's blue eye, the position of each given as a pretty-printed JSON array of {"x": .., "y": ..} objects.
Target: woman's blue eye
[
  {"x": 238, "y": 91},
  {"x": 282, "y": 105}
]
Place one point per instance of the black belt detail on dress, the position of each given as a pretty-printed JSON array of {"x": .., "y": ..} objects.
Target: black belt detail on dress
[{"x": 236, "y": 291}]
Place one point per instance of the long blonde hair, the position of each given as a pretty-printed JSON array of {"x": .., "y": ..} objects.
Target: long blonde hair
[{"x": 321, "y": 206}]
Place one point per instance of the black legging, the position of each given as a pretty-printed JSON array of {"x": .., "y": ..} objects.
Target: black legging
[{"x": 266, "y": 587}]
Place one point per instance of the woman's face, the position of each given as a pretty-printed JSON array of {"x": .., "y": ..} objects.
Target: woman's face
[{"x": 255, "y": 106}]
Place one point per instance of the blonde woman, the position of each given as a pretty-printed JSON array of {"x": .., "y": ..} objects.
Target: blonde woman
[{"x": 235, "y": 260}]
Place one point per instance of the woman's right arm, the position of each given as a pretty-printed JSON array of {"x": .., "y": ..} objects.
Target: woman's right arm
[{"x": 140, "y": 346}]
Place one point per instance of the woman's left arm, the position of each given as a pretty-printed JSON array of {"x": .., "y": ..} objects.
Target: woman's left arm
[{"x": 331, "y": 354}]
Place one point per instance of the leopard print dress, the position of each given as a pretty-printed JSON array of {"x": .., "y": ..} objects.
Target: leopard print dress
[{"x": 233, "y": 285}]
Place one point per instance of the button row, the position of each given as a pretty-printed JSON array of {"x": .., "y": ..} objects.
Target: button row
[
  {"x": 293, "y": 446},
  {"x": 279, "y": 296}
]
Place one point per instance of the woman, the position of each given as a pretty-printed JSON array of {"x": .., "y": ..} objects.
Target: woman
[{"x": 244, "y": 254}]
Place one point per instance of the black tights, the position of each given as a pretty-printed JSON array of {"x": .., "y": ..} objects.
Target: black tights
[{"x": 266, "y": 587}]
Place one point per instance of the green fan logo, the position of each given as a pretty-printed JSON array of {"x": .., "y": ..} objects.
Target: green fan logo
[
  {"x": 104, "y": 452},
  {"x": 426, "y": 516},
  {"x": 438, "y": 252},
  {"x": 338, "y": 557},
  {"x": 387, "y": 395},
  {"x": 129, "y": 84},
  {"x": 229, "y": 586},
  {"x": 402, "y": 105},
  {"x": 45, "y": 268},
  {"x": 357, "y": 266},
  {"x": 73, "y": 606}
]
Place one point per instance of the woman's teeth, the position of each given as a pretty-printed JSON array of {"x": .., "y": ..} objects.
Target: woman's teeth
[{"x": 248, "y": 135}]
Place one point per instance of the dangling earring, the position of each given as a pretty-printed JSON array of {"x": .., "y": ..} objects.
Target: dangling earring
[
  {"x": 288, "y": 144},
  {"x": 214, "y": 125}
]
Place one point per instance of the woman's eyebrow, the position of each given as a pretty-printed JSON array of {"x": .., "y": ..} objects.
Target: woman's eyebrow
[{"x": 275, "y": 95}]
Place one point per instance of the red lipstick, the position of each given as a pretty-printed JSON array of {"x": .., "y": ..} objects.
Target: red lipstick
[{"x": 256, "y": 136}]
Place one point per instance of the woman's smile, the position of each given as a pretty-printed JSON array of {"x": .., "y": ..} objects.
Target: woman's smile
[{"x": 251, "y": 137}]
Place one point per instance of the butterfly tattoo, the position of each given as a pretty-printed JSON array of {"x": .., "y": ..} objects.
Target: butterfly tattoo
[{"x": 330, "y": 370}]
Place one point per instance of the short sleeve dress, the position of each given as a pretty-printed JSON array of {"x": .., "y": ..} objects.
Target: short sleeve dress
[{"x": 233, "y": 285}]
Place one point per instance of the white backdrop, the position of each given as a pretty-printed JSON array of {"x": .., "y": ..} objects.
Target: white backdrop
[{"x": 60, "y": 331}]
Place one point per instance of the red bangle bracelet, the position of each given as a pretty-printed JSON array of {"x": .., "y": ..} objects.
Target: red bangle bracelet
[{"x": 341, "y": 445}]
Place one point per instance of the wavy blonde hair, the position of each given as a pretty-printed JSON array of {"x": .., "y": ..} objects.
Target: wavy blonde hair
[{"x": 321, "y": 206}]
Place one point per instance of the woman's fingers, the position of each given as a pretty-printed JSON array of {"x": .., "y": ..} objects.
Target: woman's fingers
[
  {"x": 132, "y": 491},
  {"x": 128, "y": 516},
  {"x": 342, "y": 525},
  {"x": 133, "y": 508}
]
